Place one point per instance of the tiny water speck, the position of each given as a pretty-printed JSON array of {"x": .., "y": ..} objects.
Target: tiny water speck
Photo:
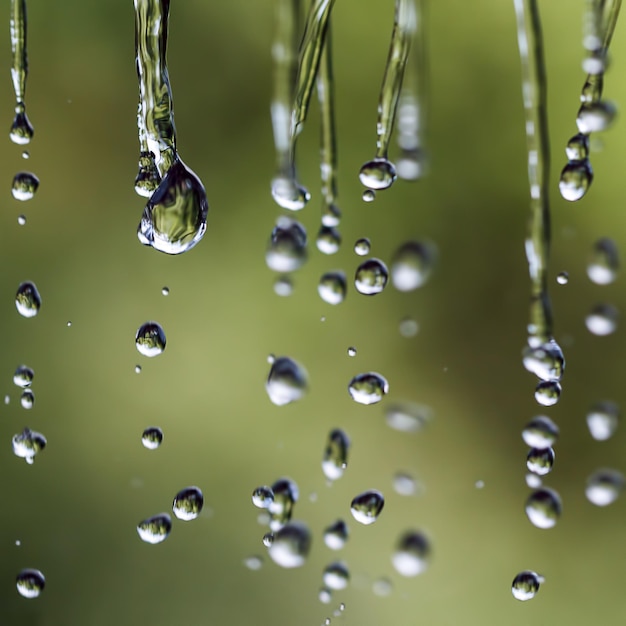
[{"x": 30, "y": 583}]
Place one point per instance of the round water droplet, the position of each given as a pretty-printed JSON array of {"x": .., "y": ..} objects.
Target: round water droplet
[
  {"x": 362, "y": 246},
  {"x": 286, "y": 495},
  {"x": 268, "y": 539},
  {"x": 286, "y": 250},
  {"x": 366, "y": 507},
  {"x": 25, "y": 154},
  {"x": 174, "y": 219},
  {"x": 283, "y": 286},
  {"x": 404, "y": 484},
  {"x": 369, "y": 195},
  {"x": 335, "y": 458},
  {"x": 412, "y": 553},
  {"x": 27, "y": 399},
  {"x": 336, "y": 575},
  {"x": 604, "y": 262},
  {"x": 533, "y": 481},
  {"x": 336, "y": 535},
  {"x": 262, "y": 497},
  {"x": 412, "y": 265},
  {"x": 25, "y": 185},
  {"x": 137, "y": 369},
  {"x": 602, "y": 420},
  {"x": 155, "y": 529},
  {"x": 540, "y": 462},
  {"x": 368, "y": 388},
  {"x": 287, "y": 381},
  {"x": 578, "y": 148},
  {"x": 548, "y": 393},
  {"x": 188, "y": 504},
  {"x": 332, "y": 287},
  {"x": 382, "y": 587},
  {"x": 325, "y": 595},
  {"x": 408, "y": 417},
  {"x": 602, "y": 320},
  {"x": 148, "y": 178},
  {"x": 525, "y": 585},
  {"x": 411, "y": 164},
  {"x": 594, "y": 117},
  {"x": 253, "y": 563},
  {"x": 291, "y": 545},
  {"x": 165, "y": 291},
  {"x": 22, "y": 130},
  {"x": 150, "y": 339},
  {"x": 543, "y": 508},
  {"x": 23, "y": 376},
  {"x": 541, "y": 432},
  {"x": 378, "y": 174},
  {"x": 546, "y": 361},
  {"x": 562, "y": 278},
  {"x": 152, "y": 437},
  {"x": 604, "y": 487},
  {"x": 371, "y": 277},
  {"x": 28, "y": 444},
  {"x": 30, "y": 583},
  {"x": 408, "y": 327},
  {"x": 21, "y": 220},
  {"x": 288, "y": 194},
  {"x": 576, "y": 178},
  {"x": 27, "y": 300},
  {"x": 328, "y": 240}
]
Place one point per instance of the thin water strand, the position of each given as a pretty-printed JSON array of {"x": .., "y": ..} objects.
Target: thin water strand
[{"x": 21, "y": 130}]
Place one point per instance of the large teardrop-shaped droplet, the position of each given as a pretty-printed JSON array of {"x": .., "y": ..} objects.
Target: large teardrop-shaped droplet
[
  {"x": 27, "y": 299},
  {"x": 367, "y": 506},
  {"x": 335, "y": 458},
  {"x": 412, "y": 554},
  {"x": 287, "y": 381},
  {"x": 291, "y": 545}
]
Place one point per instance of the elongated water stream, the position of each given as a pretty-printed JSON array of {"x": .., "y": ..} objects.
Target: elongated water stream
[{"x": 21, "y": 129}]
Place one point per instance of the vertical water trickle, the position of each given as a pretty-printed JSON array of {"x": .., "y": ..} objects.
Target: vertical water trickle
[
  {"x": 412, "y": 112},
  {"x": 380, "y": 173},
  {"x": 543, "y": 356},
  {"x": 594, "y": 114},
  {"x": 174, "y": 219},
  {"x": 21, "y": 130}
]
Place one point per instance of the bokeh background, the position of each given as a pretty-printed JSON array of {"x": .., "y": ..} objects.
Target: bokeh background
[{"x": 75, "y": 510}]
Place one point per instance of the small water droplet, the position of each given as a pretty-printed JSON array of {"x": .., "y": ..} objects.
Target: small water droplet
[
  {"x": 23, "y": 376},
  {"x": 286, "y": 494},
  {"x": 404, "y": 484},
  {"x": 412, "y": 265},
  {"x": 546, "y": 361},
  {"x": 366, "y": 507},
  {"x": 336, "y": 576},
  {"x": 27, "y": 399},
  {"x": 378, "y": 174},
  {"x": 21, "y": 220},
  {"x": 253, "y": 563},
  {"x": 369, "y": 195},
  {"x": 150, "y": 339},
  {"x": 548, "y": 393},
  {"x": 602, "y": 420},
  {"x": 382, "y": 587},
  {"x": 25, "y": 185},
  {"x": 540, "y": 462},
  {"x": 362, "y": 246},
  {"x": 155, "y": 529},
  {"x": 165, "y": 291},
  {"x": 335, "y": 460},
  {"x": 30, "y": 583},
  {"x": 28, "y": 444},
  {"x": 351, "y": 351},
  {"x": 604, "y": 262},
  {"x": 594, "y": 117},
  {"x": 188, "y": 504},
  {"x": 27, "y": 300},
  {"x": 25, "y": 154},
  {"x": 262, "y": 497},
  {"x": 604, "y": 487},
  {"x": 291, "y": 545},
  {"x": 368, "y": 388},
  {"x": 287, "y": 381},
  {"x": 152, "y": 437},
  {"x": 288, "y": 194},
  {"x": 268, "y": 539},
  {"x": 137, "y": 369},
  {"x": 7, "y": 399},
  {"x": 286, "y": 250},
  {"x": 533, "y": 481},
  {"x": 602, "y": 320},
  {"x": 283, "y": 286},
  {"x": 336, "y": 535},
  {"x": 541, "y": 432},
  {"x": 408, "y": 417},
  {"x": 577, "y": 148},
  {"x": 562, "y": 278},
  {"x": 325, "y": 595},
  {"x": 371, "y": 277},
  {"x": 328, "y": 240},
  {"x": 543, "y": 508},
  {"x": 576, "y": 178},
  {"x": 408, "y": 327},
  {"x": 525, "y": 585},
  {"x": 332, "y": 287},
  {"x": 331, "y": 215},
  {"x": 412, "y": 553}
]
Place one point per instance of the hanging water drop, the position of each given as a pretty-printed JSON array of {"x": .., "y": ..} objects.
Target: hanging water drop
[
  {"x": 595, "y": 117},
  {"x": 604, "y": 487},
  {"x": 152, "y": 438},
  {"x": 378, "y": 174},
  {"x": 412, "y": 554},
  {"x": 371, "y": 277},
  {"x": 262, "y": 497},
  {"x": 291, "y": 545},
  {"x": 155, "y": 529},
  {"x": 602, "y": 420},
  {"x": 543, "y": 508},
  {"x": 30, "y": 583},
  {"x": 602, "y": 320},
  {"x": 286, "y": 495},
  {"x": 540, "y": 461},
  {"x": 27, "y": 299},
  {"x": 367, "y": 506},
  {"x": 336, "y": 576},
  {"x": 23, "y": 376},
  {"x": 335, "y": 460},
  {"x": 368, "y": 388},
  {"x": 412, "y": 265},
  {"x": 287, "y": 381},
  {"x": 336, "y": 535},
  {"x": 286, "y": 250},
  {"x": 548, "y": 393},
  {"x": 332, "y": 287},
  {"x": 576, "y": 178},
  {"x": 150, "y": 339},
  {"x": 28, "y": 444},
  {"x": 369, "y": 195},
  {"x": 188, "y": 504},
  {"x": 545, "y": 361},
  {"x": 526, "y": 585},
  {"x": 604, "y": 262}
]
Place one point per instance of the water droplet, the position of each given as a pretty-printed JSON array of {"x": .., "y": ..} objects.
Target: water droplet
[
  {"x": 7, "y": 399},
  {"x": 368, "y": 388},
  {"x": 283, "y": 286},
  {"x": 286, "y": 495},
  {"x": 541, "y": 432},
  {"x": 366, "y": 507},
  {"x": 543, "y": 508},
  {"x": 291, "y": 545},
  {"x": 27, "y": 399},
  {"x": 288, "y": 194},
  {"x": 540, "y": 462},
  {"x": 30, "y": 583},
  {"x": 525, "y": 585},
  {"x": 602, "y": 320},
  {"x": 137, "y": 369},
  {"x": 407, "y": 417},
  {"x": 21, "y": 220},
  {"x": 562, "y": 278},
  {"x": 286, "y": 251},
  {"x": 369, "y": 195},
  {"x": 174, "y": 219},
  {"x": 602, "y": 420},
  {"x": 253, "y": 563},
  {"x": 362, "y": 246},
  {"x": 152, "y": 437},
  {"x": 408, "y": 327},
  {"x": 328, "y": 240},
  {"x": 533, "y": 481},
  {"x": 287, "y": 381},
  {"x": 325, "y": 595},
  {"x": 27, "y": 300},
  {"x": 27, "y": 444},
  {"x": 412, "y": 553},
  {"x": 404, "y": 484},
  {"x": 371, "y": 277},
  {"x": 548, "y": 393},
  {"x": 604, "y": 262},
  {"x": 165, "y": 291},
  {"x": 351, "y": 351},
  {"x": 378, "y": 174},
  {"x": 148, "y": 178},
  {"x": 382, "y": 587},
  {"x": 604, "y": 487},
  {"x": 336, "y": 575},
  {"x": 268, "y": 539},
  {"x": 594, "y": 117},
  {"x": 331, "y": 215},
  {"x": 150, "y": 339},
  {"x": 262, "y": 497},
  {"x": 336, "y": 535},
  {"x": 25, "y": 154},
  {"x": 332, "y": 287},
  {"x": 576, "y": 178},
  {"x": 25, "y": 185},
  {"x": 578, "y": 148},
  {"x": 22, "y": 130},
  {"x": 546, "y": 361},
  {"x": 412, "y": 265},
  {"x": 335, "y": 458},
  {"x": 188, "y": 504},
  {"x": 23, "y": 376},
  {"x": 155, "y": 529}
]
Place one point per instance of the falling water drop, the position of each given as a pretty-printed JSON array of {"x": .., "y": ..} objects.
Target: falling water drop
[
  {"x": 382, "y": 587},
  {"x": 268, "y": 539},
  {"x": 562, "y": 278},
  {"x": 165, "y": 291},
  {"x": 548, "y": 393},
  {"x": 604, "y": 262},
  {"x": 367, "y": 506},
  {"x": 27, "y": 399},
  {"x": 368, "y": 388},
  {"x": 21, "y": 220},
  {"x": 412, "y": 554},
  {"x": 526, "y": 585},
  {"x": 262, "y": 497},
  {"x": 23, "y": 376},
  {"x": 408, "y": 327},
  {"x": 325, "y": 595},
  {"x": 604, "y": 487},
  {"x": 336, "y": 575},
  {"x": 30, "y": 583},
  {"x": 602, "y": 420},
  {"x": 155, "y": 529},
  {"x": 408, "y": 417},
  {"x": 24, "y": 186},
  {"x": 291, "y": 545},
  {"x": 137, "y": 369},
  {"x": 150, "y": 339},
  {"x": 335, "y": 459},
  {"x": 351, "y": 351},
  {"x": 577, "y": 148},
  {"x": 540, "y": 461},
  {"x": 412, "y": 265},
  {"x": 362, "y": 246},
  {"x": 287, "y": 381},
  {"x": 602, "y": 320},
  {"x": 332, "y": 287},
  {"x": 595, "y": 117},
  {"x": 28, "y": 444},
  {"x": 283, "y": 286},
  {"x": 152, "y": 437},
  {"x": 576, "y": 178},
  {"x": 541, "y": 432},
  {"x": 371, "y": 277},
  {"x": 286, "y": 495},
  {"x": 286, "y": 250},
  {"x": 545, "y": 361},
  {"x": 336, "y": 535},
  {"x": 27, "y": 300},
  {"x": 328, "y": 240},
  {"x": 378, "y": 174},
  {"x": 253, "y": 563},
  {"x": 369, "y": 195},
  {"x": 188, "y": 503},
  {"x": 404, "y": 484},
  {"x": 543, "y": 508}
]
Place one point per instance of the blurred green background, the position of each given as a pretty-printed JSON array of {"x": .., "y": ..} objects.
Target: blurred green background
[{"x": 76, "y": 509}]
